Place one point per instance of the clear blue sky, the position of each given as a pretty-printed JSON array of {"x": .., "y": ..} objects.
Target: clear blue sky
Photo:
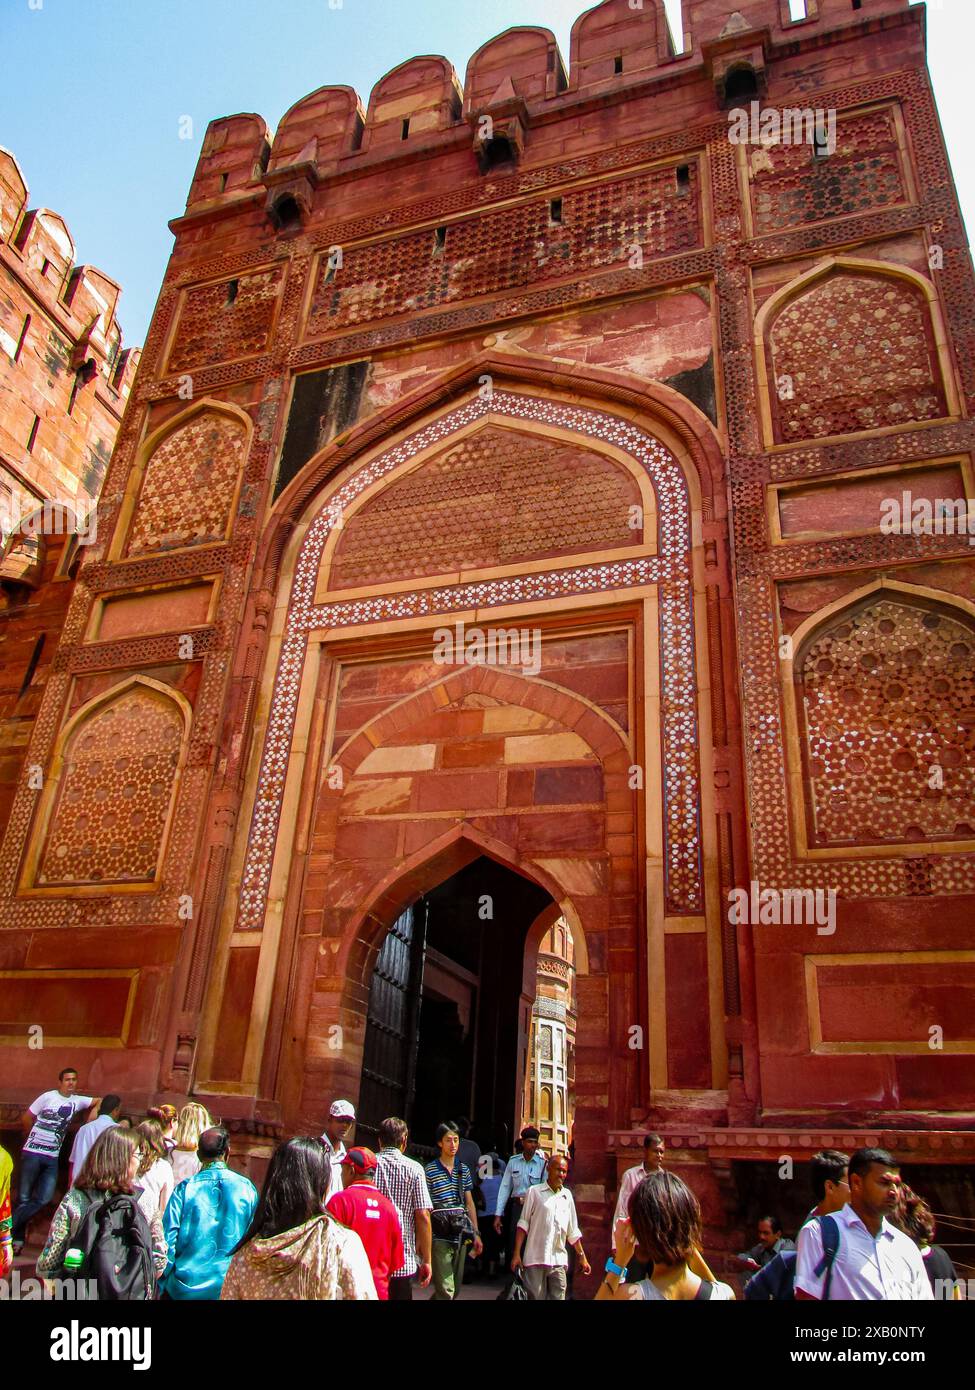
[{"x": 93, "y": 91}]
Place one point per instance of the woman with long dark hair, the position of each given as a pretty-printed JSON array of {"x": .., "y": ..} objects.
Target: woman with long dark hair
[
  {"x": 293, "y": 1248},
  {"x": 663, "y": 1228}
]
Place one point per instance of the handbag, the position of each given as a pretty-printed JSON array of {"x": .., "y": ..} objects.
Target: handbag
[
  {"x": 453, "y": 1223},
  {"x": 515, "y": 1292}
]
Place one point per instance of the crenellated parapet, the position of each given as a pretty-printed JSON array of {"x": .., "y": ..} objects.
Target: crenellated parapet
[
  {"x": 514, "y": 83},
  {"x": 418, "y": 98},
  {"x": 613, "y": 40},
  {"x": 234, "y": 156},
  {"x": 38, "y": 249}
]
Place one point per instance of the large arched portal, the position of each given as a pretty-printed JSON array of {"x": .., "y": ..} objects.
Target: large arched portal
[{"x": 485, "y": 673}]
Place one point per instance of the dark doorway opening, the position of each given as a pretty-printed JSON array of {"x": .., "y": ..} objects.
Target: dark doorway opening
[{"x": 449, "y": 1013}]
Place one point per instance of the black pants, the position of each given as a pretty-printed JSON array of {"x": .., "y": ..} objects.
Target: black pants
[{"x": 401, "y": 1288}]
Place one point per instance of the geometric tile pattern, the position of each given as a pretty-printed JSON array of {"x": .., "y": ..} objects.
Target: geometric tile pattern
[
  {"x": 670, "y": 569},
  {"x": 599, "y": 225},
  {"x": 497, "y": 498},
  {"x": 114, "y": 794},
  {"x": 225, "y": 321},
  {"x": 889, "y": 710},
  {"x": 790, "y": 186},
  {"x": 858, "y": 354},
  {"x": 188, "y": 485}
]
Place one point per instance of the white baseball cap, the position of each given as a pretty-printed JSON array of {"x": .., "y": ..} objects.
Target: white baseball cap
[{"x": 342, "y": 1110}]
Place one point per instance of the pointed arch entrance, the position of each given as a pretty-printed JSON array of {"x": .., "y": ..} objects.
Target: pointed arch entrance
[
  {"x": 375, "y": 762},
  {"x": 449, "y": 1013}
]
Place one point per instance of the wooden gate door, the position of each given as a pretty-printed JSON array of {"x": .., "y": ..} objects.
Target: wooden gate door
[{"x": 393, "y": 1025}]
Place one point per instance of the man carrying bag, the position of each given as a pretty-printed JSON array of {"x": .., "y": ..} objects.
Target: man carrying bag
[{"x": 453, "y": 1218}]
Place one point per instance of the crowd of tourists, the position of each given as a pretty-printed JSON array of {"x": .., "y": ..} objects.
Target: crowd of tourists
[{"x": 154, "y": 1210}]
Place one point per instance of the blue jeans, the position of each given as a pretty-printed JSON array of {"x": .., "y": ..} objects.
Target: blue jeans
[{"x": 38, "y": 1179}]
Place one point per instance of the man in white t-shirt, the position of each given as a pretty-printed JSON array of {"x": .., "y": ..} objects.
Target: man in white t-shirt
[
  {"x": 874, "y": 1262},
  {"x": 338, "y": 1128},
  {"x": 108, "y": 1115},
  {"x": 49, "y": 1118}
]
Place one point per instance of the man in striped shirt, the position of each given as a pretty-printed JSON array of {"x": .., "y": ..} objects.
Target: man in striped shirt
[{"x": 404, "y": 1182}]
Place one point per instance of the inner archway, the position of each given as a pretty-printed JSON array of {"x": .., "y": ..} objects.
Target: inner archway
[{"x": 450, "y": 1007}]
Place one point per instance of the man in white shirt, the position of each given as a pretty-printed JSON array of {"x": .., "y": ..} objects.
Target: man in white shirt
[
  {"x": 338, "y": 1127},
  {"x": 653, "y": 1161},
  {"x": 546, "y": 1225},
  {"x": 874, "y": 1262},
  {"x": 108, "y": 1115},
  {"x": 48, "y": 1119}
]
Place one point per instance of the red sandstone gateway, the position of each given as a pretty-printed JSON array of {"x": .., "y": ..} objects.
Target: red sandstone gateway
[{"x": 552, "y": 353}]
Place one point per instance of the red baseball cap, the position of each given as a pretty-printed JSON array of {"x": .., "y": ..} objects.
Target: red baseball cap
[{"x": 360, "y": 1160}]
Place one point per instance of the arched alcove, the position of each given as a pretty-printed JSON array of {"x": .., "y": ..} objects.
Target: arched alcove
[{"x": 107, "y": 807}]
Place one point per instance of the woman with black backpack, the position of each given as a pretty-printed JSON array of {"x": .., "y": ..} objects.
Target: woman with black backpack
[{"x": 99, "y": 1225}]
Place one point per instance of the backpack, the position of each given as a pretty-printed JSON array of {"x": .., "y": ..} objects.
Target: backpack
[
  {"x": 114, "y": 1238},
  {"x": 830, "y": 1232},
  {"x": 777, "y": 1281}
]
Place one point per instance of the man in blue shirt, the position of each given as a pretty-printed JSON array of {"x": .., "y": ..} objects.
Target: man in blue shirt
[
  {"x": 524, "y": 1170},
  {"x": 204, "y": 1219}
]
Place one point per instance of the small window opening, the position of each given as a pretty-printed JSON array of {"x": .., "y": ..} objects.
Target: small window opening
[
  {"x": 858, "y": 4},
  {"x": 821, "y": 142},
  {"x": 287, "y": 214},
  {"x": 232, "y": 288},
  {"x": 45, "y": 266},
  {"x": 618, "y": 64},
  {"x": 498, "y": 151},
  {"x": 223, "y": 183},
  {"x": 33, "y": 434},
  {"x": 22, "y": 339},
  {"x": 555, "y": 211},
  {"x": 550, "y": 66},
  {"x": 405, "y": 130},
  {"x": 75, "y": 388},
  {"x": 741, "y": 84},
  {"x": 683, "y": 179},
  {"x": 797, "y": 10},
  {"x": 439, "y": 240}
]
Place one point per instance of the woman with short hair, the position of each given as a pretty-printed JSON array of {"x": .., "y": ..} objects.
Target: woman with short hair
[
  {"x": 664, "y": 1229},
  {"x": 293, "y": 1248},
  {"x": 451, "y": 1185},
  {"x": 108, "y": 1170}
]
